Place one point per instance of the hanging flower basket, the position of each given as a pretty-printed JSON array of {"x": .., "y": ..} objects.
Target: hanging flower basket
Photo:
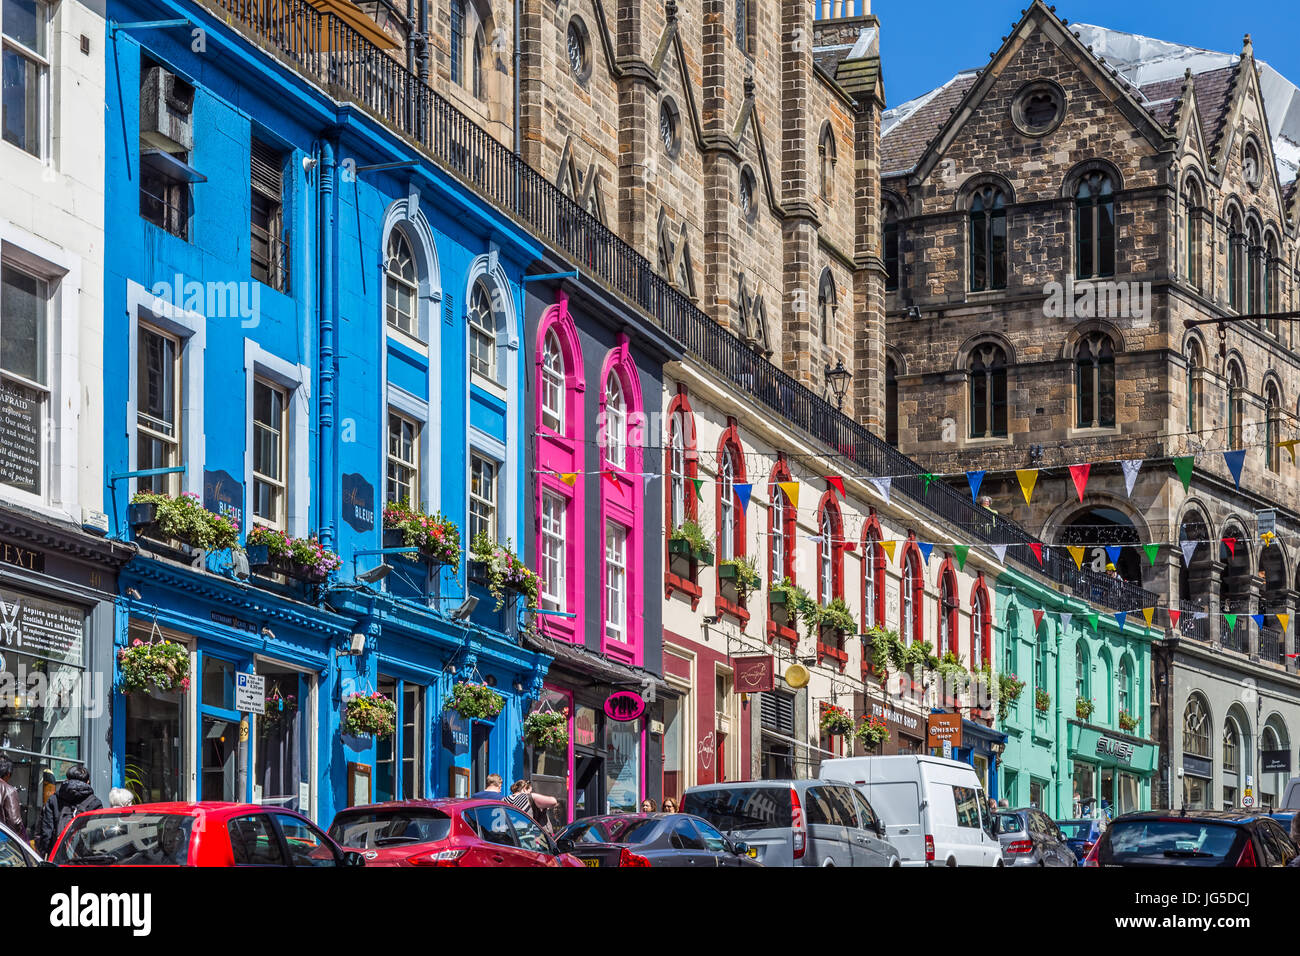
[
  {"x": 475, "y": 701},
  {"x": 436, "y": 537},
  {"x": 547, "y": 730},
  {"x": 1042, "y": 701},
  {"x": 1127, "y": 722},
  {"x": 303, "y": 559},
  {"x": 872, "y": 733},
  {"x": 836, "y": 721},
  {"x": 372, "y": 715},
  {"x": 278, "y": 708},
  {"x": 1083, "y": 707},
  {"x": 153, "y": 666}
]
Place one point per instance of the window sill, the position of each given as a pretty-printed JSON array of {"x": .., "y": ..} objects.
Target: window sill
[
  {"x": 495, "y": 389},
  {"x": 412, "y": 342},
  {"x": 787, "y": 634},
  {"x": 673, "y": 582},
  {"x": 1105, "y": 430},
  {"x": 724, "y": 606},
  {"x": 991, "y": 442}
]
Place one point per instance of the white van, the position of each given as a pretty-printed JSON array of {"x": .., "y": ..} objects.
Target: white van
[
  {"x": 934, "y": 810},
  {"x": 1291, "y": 800}
]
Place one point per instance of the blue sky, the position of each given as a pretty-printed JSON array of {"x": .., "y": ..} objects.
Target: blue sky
[{"x": 925, "y": 43}]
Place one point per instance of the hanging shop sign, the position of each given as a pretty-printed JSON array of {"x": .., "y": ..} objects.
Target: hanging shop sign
[
  {"x": 41, "y": 628},
  {"x": 358, "y": 503},
  {"x": 223, "y": 495},
  {"x": 21, "y": 418},
  {"x": 941, "y": 729},
  {"x": 1275, "y": 761},
  {"x": 455, "y": 733},
  {"x": 624, "y": 705},
  {"x": 754, "y": 675}
]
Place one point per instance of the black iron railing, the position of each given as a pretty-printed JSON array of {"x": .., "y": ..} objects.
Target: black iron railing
[{"x": 351, "y": 67}]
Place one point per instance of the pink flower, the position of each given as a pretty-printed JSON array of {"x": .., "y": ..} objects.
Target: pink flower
[{"x": 137, "y": 642}]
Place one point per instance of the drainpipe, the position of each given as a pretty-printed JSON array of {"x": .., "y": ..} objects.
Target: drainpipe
[
  {"x": 515, "y": 138},
  {"x": 1061, "y": 748},
  {"x": 422, "y": 58},
  {"x": 410, "y": 33},
  {"x": 328, "y": 271}
]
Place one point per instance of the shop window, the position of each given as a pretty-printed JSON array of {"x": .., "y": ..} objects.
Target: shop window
[
  {"x": 622, "y": 768},
  {"x": 282, "y": 740}
]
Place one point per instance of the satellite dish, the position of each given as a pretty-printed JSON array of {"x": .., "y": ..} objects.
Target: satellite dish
[{"x": 796, "y": 676}]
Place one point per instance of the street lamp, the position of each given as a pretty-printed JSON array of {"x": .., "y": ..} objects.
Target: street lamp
[{"x": 838, "y": 380}]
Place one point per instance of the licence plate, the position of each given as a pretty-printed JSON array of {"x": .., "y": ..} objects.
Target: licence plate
[{"x": 591, "y": 862}]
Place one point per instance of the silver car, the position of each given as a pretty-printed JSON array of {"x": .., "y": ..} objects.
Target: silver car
[
  {"x": 796, "y": 822},
  {"x": 14, "y": 850}
]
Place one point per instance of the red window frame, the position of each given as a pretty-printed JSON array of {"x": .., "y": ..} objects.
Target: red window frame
[
  {"x": 913, "y": 553},
  {"x": 679, "y": 409},
  {"x": 981, "y": 606},
  {"x": 949, "y": 610},
  {"x": 874, "y": 552},
  {"x": 781, "y": 472},
  {"x": 729, "y": 445}
]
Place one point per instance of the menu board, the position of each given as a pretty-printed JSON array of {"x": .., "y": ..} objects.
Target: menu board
[
  {"x": 21, "y": 411},
  {"x": 41, "y": 628}
]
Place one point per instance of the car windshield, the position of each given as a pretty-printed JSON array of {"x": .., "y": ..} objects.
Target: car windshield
[
  {"x": 1175, "y": 839},
  {"x": 1009, "y": 823},
  {"x": 612, "y": 830},
  {"x": 376, "y": 829},
  {"x": 741, "y": 808},
  {"x": 1075, "y": 829},
  {"x": 127, "y": 839}
]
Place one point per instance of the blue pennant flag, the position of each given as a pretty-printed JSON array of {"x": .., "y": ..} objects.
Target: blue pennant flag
[
  {"x": 1120, "y": 618},
  {"x": 1112, "y": 552},
  {"x": 925, "y": 551},
  {"x": 742, "y": 494},
  {"x": 976, "y": 478},
  {"x": 1234, "y": 461},
  {"x": 1258, "y": 619}
]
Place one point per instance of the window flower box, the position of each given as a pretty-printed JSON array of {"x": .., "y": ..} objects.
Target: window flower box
[
  {"x": 182, "y": 521},
  {"x": 688, "y": 549},
  {"x": 302, "y": 559},
  {"x": 502, "y": 572},
  {"x": 437, "y": 539},
  {"x": 833, "y": 652},
  {"x": 738, "y": 578}
]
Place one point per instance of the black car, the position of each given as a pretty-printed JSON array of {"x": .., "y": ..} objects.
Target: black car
[
  {"x": 1080, "y": 835},
  {"x": 651, "y": 839},
  {"x": 1193, "y": 838},
  {"x": 1029, "y": 837}
]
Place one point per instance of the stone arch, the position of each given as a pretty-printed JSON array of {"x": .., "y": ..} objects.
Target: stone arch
[
  {"x": 1234, "y": 358},
  {"x": 1077, "y": 334},
  {"x": 1234, "y": 776},
  {"x": 1082, "y": 169},
  {"x": 977, "y": 182},
  {"x": 1101, "y": 520},
  {"x": 1274, "y": 735},
  {"x": 962, "y": 357}
]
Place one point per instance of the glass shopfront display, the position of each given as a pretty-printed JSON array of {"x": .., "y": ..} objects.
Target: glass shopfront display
[
  {"x": 550, "y": 769},
  {"x": 281, "y": 745},
  {"x": 1085, "y": 788},
  {"x": 623, "y": 767}
]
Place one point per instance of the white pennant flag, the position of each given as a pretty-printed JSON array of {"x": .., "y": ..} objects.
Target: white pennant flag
[
  {"x": 649, "y": 476},
  {"x": 883, "y": 486},
  {"x": 1200, "y": 615},
  {"x": 1065, "y": 619},
  {"x": 1189, "y": 548},
  {"x": 1001, "y": 551},
  {"x": 1131, "y": 469}
]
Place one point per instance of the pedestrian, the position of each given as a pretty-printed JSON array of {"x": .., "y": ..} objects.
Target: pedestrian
[
  {"x": 11, "y": 808},
  {"x": 75, "y": 795},
  {"x": 1004, "y": 804},
  {"x": 647, "y": 805},
  {"x": 1295, "y": 828},
  {"x": 670, "y": 805},
  {"x": 118, "y": 797},
  {"x": 492, "y": 789},
  {"x": 536, "y": 805}
]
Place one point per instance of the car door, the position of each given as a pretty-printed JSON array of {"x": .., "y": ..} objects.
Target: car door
[
  {"x": 875, "y": 850},
  {"x": 828, "y": 829},
  {"x": 304, "y": 844},
  {"x": 254, "y": 842},
  {"x": 687, "y": 846},
  {"x": 715, "y": 844},
  {"x": 493, "y": 827},
  {"x": 534, "y": 847}
]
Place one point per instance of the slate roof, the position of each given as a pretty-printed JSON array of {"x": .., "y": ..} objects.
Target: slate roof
[{"x": 902, "y": 146}]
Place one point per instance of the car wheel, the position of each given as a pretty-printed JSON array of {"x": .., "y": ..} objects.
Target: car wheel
[
  {"x": 951, "y": 862},
  {"x": 998, "y": 863}
]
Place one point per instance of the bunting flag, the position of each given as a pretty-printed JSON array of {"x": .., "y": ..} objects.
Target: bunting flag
[
  {"x": 836, "y": 482},
  {"x": 613, "y": 478},
  {"x": 1076, "y": 552},
  {"x": 1152, "y": 550},
  {"x": 742, "y": 494},
  {"x": 974, "y": 479},
  {"x": 889, "y": 549},
  {"x": 1200, "y": 615},
  {"x": 699, "y": 489},
  {"x": 649, "y": 477},
  {"x": 1000, "y": 552},
  {"x": 1120, "y": 618},
  {"x": 960, "y": 551},
  {"x": 1147, "y": 613},
  {"x": 1184, "y": 468},
  {"x": 1174, "y": 616},
  {"x": 1028, "y": 477},
  {"x": 1259, "y": 620},
  {"x": 1267, "y": 537},
  {"x": 1289, "y": 445},
  {"x": 883, "y": 486},
  {"x": 1234, "y": 460},
  {"x": 1284, "y": 620},
  {"x": 1037, "y": 548},
  {"x": 791, "y": 489},
  {"x": 925, "y": 552},
  {"x": 1189, "y": 548},
  {"x": 1232, "y": 621},
  {"x": 926, "y": 478},
  {"x": 1113, "y": 552},
  {"x": 1080, "y": 475},
  {"x": 1066, "y": 618},
  {"x": 1038, "y": 620},
  {"x": 1131, "y": 468},
  {"x": 1231, "y": 543},
  {"x": 570, "y": 478},
  {"x": 1093, "y": 620}
]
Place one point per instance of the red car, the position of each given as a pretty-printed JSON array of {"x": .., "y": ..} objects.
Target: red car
[
  {"x": 448, "y": 832},
  {"x": 197, "y": 834}
]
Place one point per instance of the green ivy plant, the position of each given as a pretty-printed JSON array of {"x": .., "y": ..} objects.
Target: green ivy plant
[
  {"x": 186, "y": 519},
  {"x": 692, "y": 534},
  {"x": 476, "y": 701},
  {"x": 1009, "y": 690},
  {"x": 835, "y": 615},
  {"x": 952, "y": 670},
  {"x": 748, "y": 580},
  {"x": 796, "y": 598}
]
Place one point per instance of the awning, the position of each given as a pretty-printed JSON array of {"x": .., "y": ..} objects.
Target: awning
[{"x": 597, "y": 666}]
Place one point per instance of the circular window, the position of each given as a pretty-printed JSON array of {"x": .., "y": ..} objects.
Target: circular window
[
  {"x": 669, "y": 126},
  {"x": 579, "y": 61},
  {"x": 1038, "y": 108},
  {"x": 748, "y": 204}
]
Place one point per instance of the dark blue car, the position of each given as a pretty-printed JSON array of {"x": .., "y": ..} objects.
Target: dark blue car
[{"x": 1080, "y": 835}]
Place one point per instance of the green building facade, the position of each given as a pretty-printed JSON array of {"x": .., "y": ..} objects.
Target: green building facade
[{"x": 1063, "y": 755}]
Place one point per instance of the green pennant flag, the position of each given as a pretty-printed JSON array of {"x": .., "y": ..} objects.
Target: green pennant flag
[
  {"x": 1092, "y": 619},
  {"x": 1232, "y": 621},
  {"x": 961, "y": 550},
  {"x": 1152, "y": 550},
  {"x": 926, "y": 478},
  {"x": 1184, "y": 468},
  {"x": 699, "y": 488}
]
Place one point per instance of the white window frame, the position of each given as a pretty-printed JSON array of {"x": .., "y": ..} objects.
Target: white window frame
[
  {"x": 412, "y": 287},
  {"x": 295, "y": 381},
  {"x": 44, "y": 64},
  {"x": 827, "y": 569},
  {"x": 869, "y": 583},
  {"x": 677, "y": 473},
  {"x": 779, "y": 543},
  {"x": 413, "y": 463},
  {"x": 615, "y": 423},
  {"x": 726, "y": 506},
  {"x": 176, "y": 440},
  {"x": 490, "y": 333},
  {"x": 494, "y": 504},
  {"x": 279, "y": 519},
  {"x": 616, "y": 583},
  {"x": 554, "y": 593},
  {"x": 907, "y": 613},
  {"x": 554, "y": 384},
  {"x": 977, "y": 631}
]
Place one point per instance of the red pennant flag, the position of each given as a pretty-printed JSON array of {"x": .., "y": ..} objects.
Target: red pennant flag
[
  {"x": 1173, "y": 617},
  {"x": 1038, "y": 620},
  {"x": 836, "y": 482},
  {"x": 612, "y": 476},
  {"x": 1232, "y": 546},
  {"x": 1037, "y": 548},
  {"x": 1080, "y": 475}
]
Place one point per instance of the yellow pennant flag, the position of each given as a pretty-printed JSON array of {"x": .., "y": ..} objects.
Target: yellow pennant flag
[
  {"x": 791, "y": 489},
  {"x": 1284, "y": 620},
  {"x": 1076, "y": 552},
  {"x": 1267, "y": 537},
  {"x": 1146, "y": 613},
  {"x": 1028, "y": 478},
  {"x": 1289, "y": 445},
  {"x": 889, "y": 549},
  {"x": 570, "y": 478}
]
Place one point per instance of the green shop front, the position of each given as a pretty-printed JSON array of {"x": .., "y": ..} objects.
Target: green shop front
[{"x": 1109, "y": 770}]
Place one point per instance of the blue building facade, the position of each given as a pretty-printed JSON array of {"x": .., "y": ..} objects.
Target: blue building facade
[{"x": 305, "y": 322}]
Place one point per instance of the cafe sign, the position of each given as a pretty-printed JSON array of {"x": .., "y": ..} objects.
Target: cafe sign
[
  {"x": 624, "y": 706},
  {"x": 1120, "y": 750},
  {"x": 754, "y": 675}
]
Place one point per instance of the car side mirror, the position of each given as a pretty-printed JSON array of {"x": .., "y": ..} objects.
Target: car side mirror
[
  {"x": 564, "y": 845},
  {"x": 740, "y": 849},
  {"x": 353, "y": 858},
  {"x": 880, "y": 828}
]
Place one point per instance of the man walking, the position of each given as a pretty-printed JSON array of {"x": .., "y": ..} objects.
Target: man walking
[
  {"x": 11, "y": 808},
  {"x": 75, "y": 795},
  {"x": 493, "y": 791}
]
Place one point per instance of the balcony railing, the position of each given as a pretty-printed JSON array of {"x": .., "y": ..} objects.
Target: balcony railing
[{"x": 350, "y": 66}]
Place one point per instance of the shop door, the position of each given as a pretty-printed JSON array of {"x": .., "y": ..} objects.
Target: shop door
[
  {"x": 222, "y": 769},
  {"x": 588, "y": 784},
  {"x": 480, "y": 757},
  {"x": 1108, "y": 802},
  {"x": 281, "y": 776}
]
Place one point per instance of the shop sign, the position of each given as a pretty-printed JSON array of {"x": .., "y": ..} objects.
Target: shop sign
[
  {"x": 223, "y": 495},
  {"x": 941, "y": 729},
  {"x": 250, "y": 693},
  {"x": 1121, "y": 750},
  {"x": 901, "y": 719},
  {"x": 754, "y": 675},
  {"x": 358, "y": 503},
  {"x": 1197, "y": 766},
  {"x": 455, "y": 733},
  {"x": 20, "y": 557},
  {"x": 41, "y": 628},
  {"x": 624, "y": 705},
  {"x": 21, "y": 425},
  {"x": 1267, "y": 521},
  {"x": 584, "y": 726},
  {"x": 1275, "y": 761}
]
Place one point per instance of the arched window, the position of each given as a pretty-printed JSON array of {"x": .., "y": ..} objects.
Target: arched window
[
  {"x": 1195, "y": 365},
  {"x": 615, "y": 427},
  {"x": 1255, "y": 269},
  {"x": 1196, "y": 727},
  {"x": 621, "y": 509},
  {"x": 400, "y": 284},
  {"x": 911, "y": 593},
  {"x": 1040, "y": 661},
  {"x": 988, "y": 391},
  {"x": 780, "y": 526},
  {"x": 1231, "y": 743},
  {"x": 830, "y": 550},
  {"x": 1082, "y": 670},
  {"x": 744, "y": 25},
  {"x": 1234, "y": 405},
  {"x": 1272, "y": 426},
  {"x": 1094, "y": 366},
  {"x": 1124, "y": 689},
  {"x": 891, "y": 402},
  {"x": 1192, "y": 233},
  {"x": 480, "y": 45},
  {"x": 988, "y": 240},
  {"x": 1094, "y": 226},
  {"x": 827, "y": 305},
  {"x": 873, "y": 577},
  {"x": 676, "y": 472},
  {"x": 889, "y": 239},
  {"x": 980, "y": 630},
  {"x": 828, "y": 159},
  {"x": 1272, "y": 287},
  {"x": 731, "y": 518},
  {"x": 1236, "y": 253},
  {"x": 553, "y": 384},
  {"x": 483, "y": 324},
  {"x": 1102, "y": 715},
  {"x": 1010, "y": 654},
  {"x": 947, "y": 612}
]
